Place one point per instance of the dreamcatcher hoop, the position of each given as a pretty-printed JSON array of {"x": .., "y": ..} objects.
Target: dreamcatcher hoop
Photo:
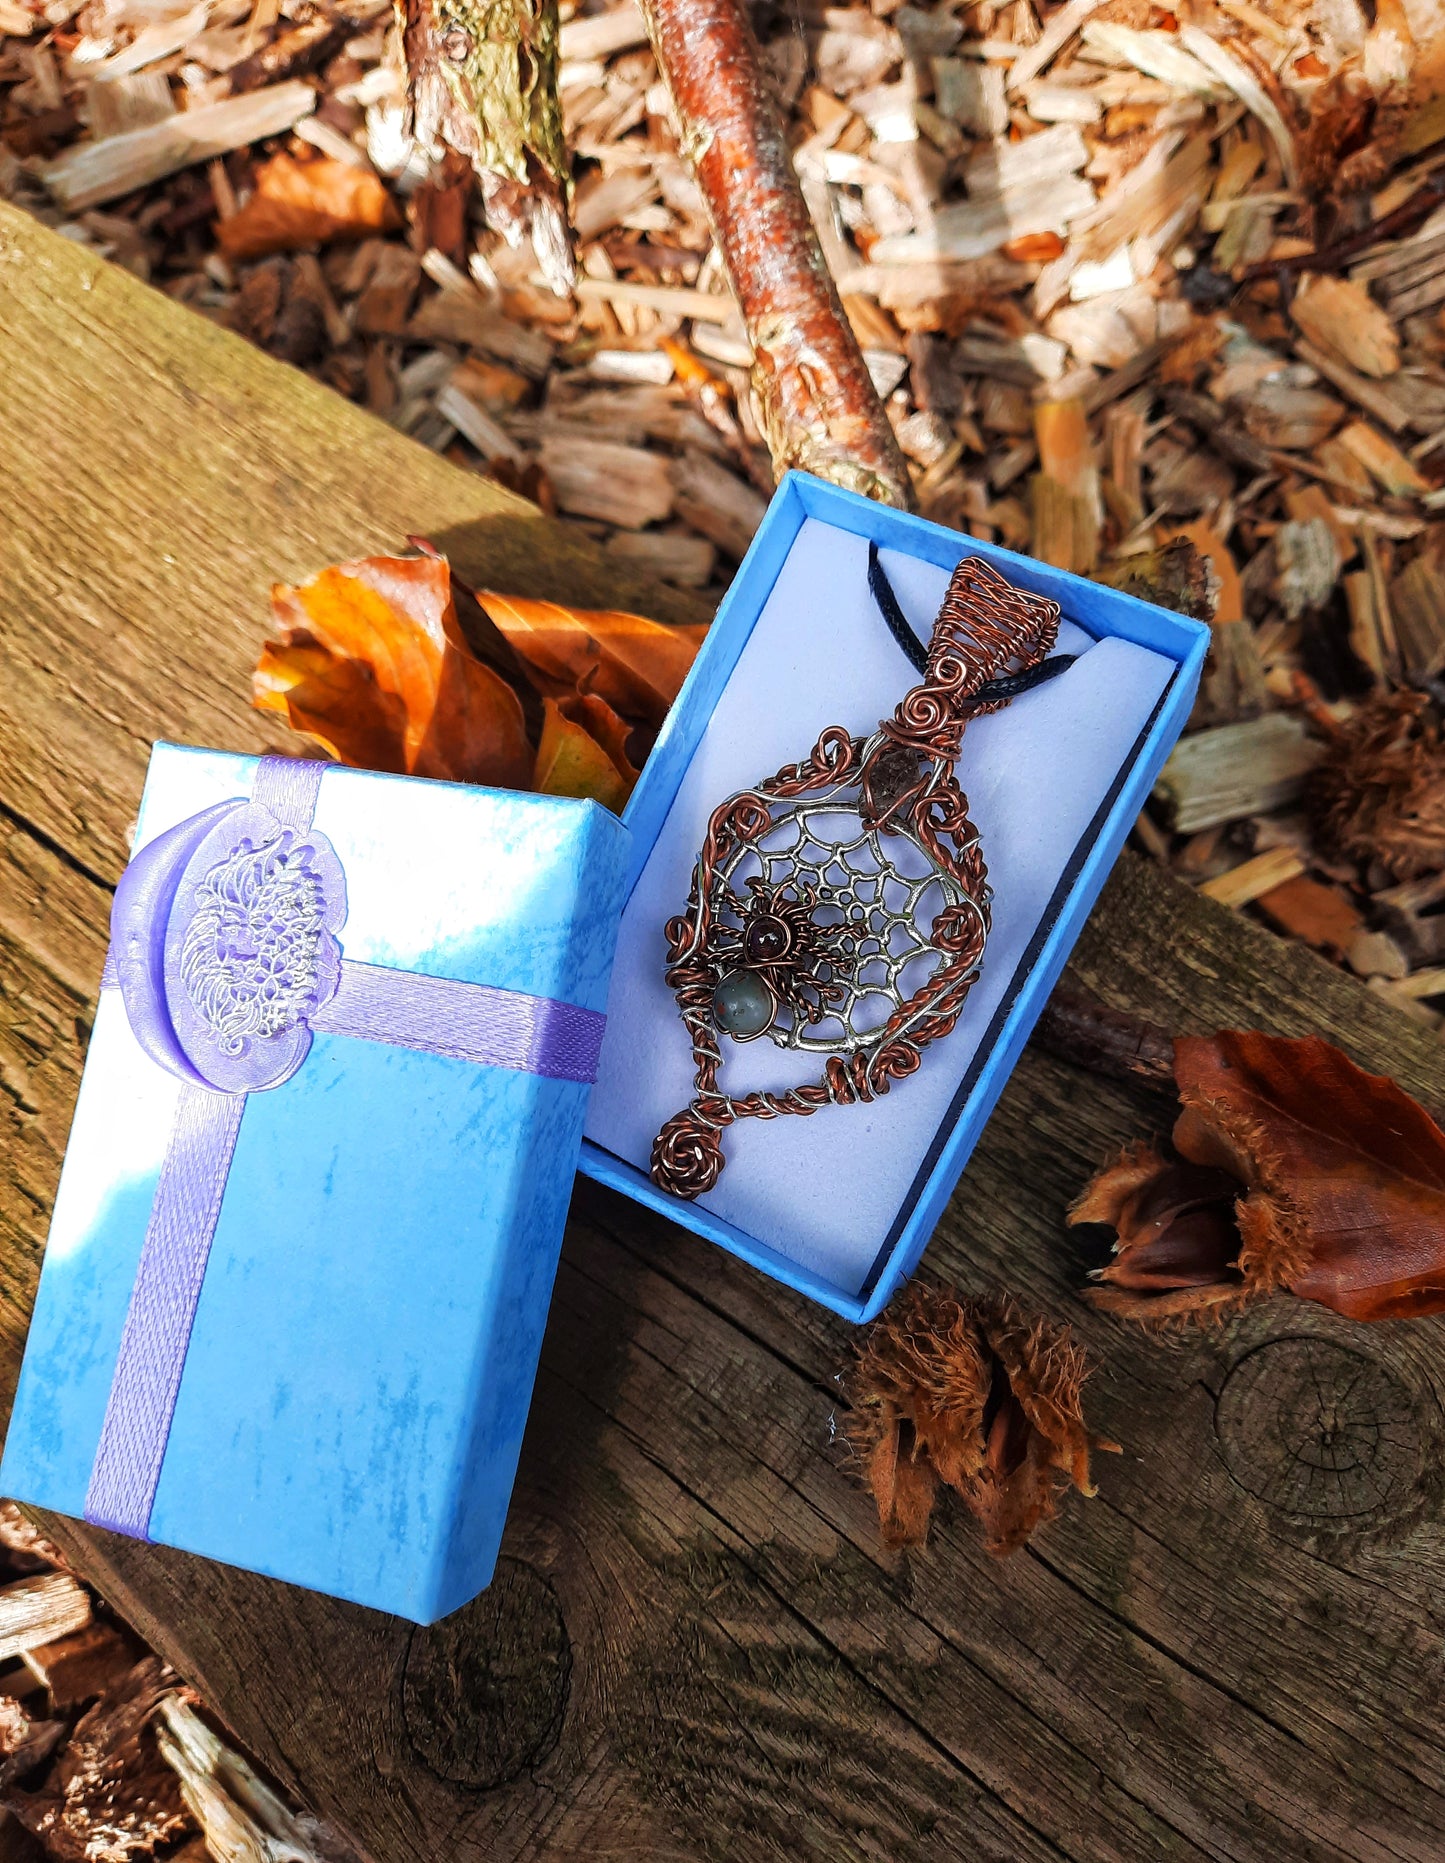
[
  {"x": 791, "y": 957},
  {"x": 858, "y": 898}
]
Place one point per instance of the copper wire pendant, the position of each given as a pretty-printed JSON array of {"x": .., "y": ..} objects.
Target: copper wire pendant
[{"x": 841, "y": 907}]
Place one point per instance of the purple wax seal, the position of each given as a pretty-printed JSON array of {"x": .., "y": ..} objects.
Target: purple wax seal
[{"x": 225, "y": 933}]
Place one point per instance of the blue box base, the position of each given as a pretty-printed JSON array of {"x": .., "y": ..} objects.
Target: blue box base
[
  {"x": 353, "y": 1397},
  {"x": 1101, "y": 612}
]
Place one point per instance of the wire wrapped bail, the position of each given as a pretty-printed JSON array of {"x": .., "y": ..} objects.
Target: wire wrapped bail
[{"x": 986, "y": 628}]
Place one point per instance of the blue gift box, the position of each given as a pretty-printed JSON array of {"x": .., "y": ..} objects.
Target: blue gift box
[
  {"x": 305, "y": 1238},
  {"x": 840, "y": 1205},
  {"x": 346, "y": 1407}
]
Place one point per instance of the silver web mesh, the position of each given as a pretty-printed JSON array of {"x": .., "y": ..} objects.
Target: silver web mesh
[{"x": 883, "y": 884}]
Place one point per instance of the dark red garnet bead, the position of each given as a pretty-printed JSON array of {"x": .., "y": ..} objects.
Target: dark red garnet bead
[{"x": 766, "y": 939}]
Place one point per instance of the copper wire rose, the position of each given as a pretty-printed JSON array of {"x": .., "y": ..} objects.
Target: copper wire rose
[{"x": 687, "y": 1157}]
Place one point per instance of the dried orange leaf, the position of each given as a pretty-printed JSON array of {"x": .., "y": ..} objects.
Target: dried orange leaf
[
  {"x": 1299, "y": 1171},
  {"x": 336, "y": 702},
  {"x": 637, "y": 666},
  {"x": 599, "y": 721},
  {"x": 299, "y": 204},
  {"x": 372, "y": 665},
  {"x": 571, "y": 762},
  {"x": 968, "y": 1391}
]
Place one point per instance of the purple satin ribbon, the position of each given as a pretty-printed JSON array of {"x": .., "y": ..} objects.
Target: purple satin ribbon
[{"x": 224, "y": 947}]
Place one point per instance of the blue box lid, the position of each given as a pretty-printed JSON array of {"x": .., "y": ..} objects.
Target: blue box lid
[{"x": 347, "y": 1408}]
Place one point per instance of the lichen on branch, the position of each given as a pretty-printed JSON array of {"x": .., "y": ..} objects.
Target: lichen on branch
[{"x": 482, "y": 79}]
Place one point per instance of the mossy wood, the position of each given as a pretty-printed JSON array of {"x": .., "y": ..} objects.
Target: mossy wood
[
  {"x": 695, "y": 1646},
  {"x": 482, "y": 80}
]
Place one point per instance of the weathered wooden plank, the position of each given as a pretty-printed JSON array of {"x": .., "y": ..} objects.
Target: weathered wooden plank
[
  {"x": 52, "y": 940},
  {"x": 157, "y": 475},
  {"x": 695, "y": 1645}
]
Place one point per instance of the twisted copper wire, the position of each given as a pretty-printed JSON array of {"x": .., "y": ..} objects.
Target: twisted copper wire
[{"x": 985, "y": 627}]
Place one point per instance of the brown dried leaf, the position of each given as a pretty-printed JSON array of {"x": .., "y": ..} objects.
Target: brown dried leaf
[
  {"x": 637, "y": 666},
  {"x": 305, "y": 204},
  {"x": 1295, "y": 1170},
  {"x": 372, "y": 664},
  {"x": 583, "y": 752},
  {"x": 1379, "y": 791},
  {"x": 966, "y": 1390}
]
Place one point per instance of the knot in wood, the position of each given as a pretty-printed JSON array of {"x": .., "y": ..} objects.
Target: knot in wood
[
  {"x": 484, "y": 1692},
  {"x": 1320, "y": 1432}
]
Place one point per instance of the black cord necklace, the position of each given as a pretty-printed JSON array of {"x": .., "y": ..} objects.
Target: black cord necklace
[{"x": 1008, "y": 687}]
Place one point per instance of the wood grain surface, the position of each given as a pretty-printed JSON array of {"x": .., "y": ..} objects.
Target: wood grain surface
[{"x": 695, "y": 1646}]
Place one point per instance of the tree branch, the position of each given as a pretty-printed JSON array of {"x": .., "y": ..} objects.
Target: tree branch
[{"x": 816, "y": 400}]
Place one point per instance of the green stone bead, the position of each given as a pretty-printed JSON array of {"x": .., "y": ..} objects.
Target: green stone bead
[{"x": 742, "y": 1005}]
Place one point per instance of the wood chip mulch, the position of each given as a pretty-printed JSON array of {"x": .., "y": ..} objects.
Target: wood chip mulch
[
  {"x": 104, "y": 1756},
  {"x": 1119, "y": 273}
]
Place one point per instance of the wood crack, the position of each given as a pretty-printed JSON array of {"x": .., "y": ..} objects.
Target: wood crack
[
  {"x": 706, "y": 1506},
  {"x": 62, "y": 853}
]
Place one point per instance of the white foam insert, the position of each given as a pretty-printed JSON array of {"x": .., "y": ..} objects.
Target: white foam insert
[{"x": 825, "y": 1190}]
